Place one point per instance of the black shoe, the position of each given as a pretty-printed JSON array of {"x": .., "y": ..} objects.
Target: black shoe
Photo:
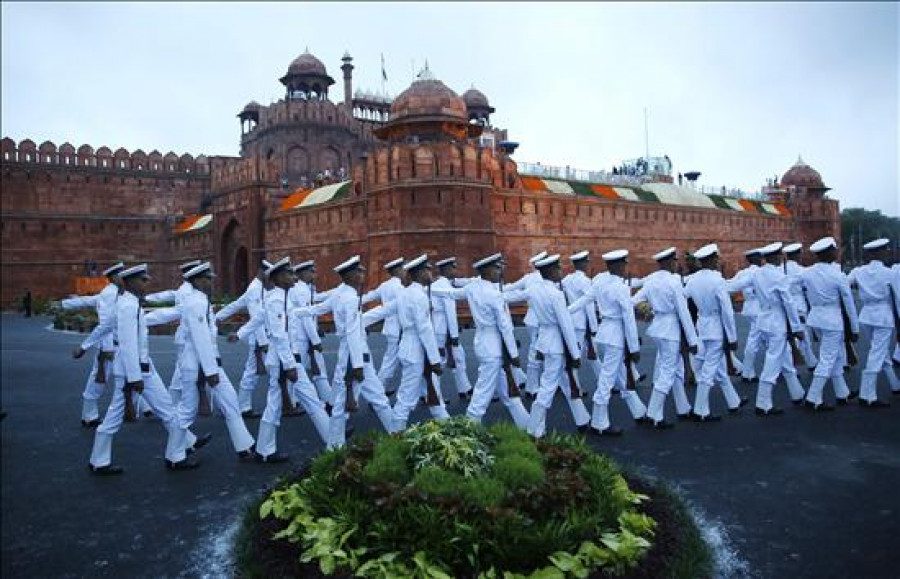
[
  {"x": 642, "y": 377},
  {"x": 389, "y": 392},
  {"x": 685, "y": 416},
  {"x": 467, "y": 395},
  {"x": 874, "y": 404},
  {"x": 186, "y": 464},
  {"x": 735, "y": 410},
  {"x": 247, "y": 454},
  {"x": 148, "y": 414},
  {"x": 842, "y": 401},
  {"x": 251, "y": 414},
  {"x": 708, "y": 418},
  {"x": 753, "y": 380},
  {"x": 811, "y": 369},
  {"x": 644, "y": 421},
  {"x": 895, "y": 392},
  {"x": 663, "y": 425},
  {"x": 584, "y": 428},
  {"x": 609, "y": 431},
  {"x": 108, "y": 470},
  {"x": 91, "y": 423},
  {"x": 854, "y": 394},
  {"x": 817, "y": 407},
  {"x": 202, "y": 441},
  {"x": 273, "y": 458},
  {"x": 797, "y": 402},
  {"x": 771, "y": 412}
]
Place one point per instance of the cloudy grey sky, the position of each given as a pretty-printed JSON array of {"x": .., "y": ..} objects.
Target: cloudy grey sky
[{"x": 736, "y": 91}]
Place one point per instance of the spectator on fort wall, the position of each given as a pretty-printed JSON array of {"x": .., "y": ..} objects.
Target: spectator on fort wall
[{"x": 26, "y": 303}]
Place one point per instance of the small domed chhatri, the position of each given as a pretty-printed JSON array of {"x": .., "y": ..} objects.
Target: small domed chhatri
[
  {"x": 306, "y": 79},
  {"x": 306, "y": 63},
  {"x": 475, "y": 98},
  {"x": 428, "y": 106},
  {"x": 802, "y": 175}
]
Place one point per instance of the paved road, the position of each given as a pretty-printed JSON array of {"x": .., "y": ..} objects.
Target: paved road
[{"x": 799, "y": 495}]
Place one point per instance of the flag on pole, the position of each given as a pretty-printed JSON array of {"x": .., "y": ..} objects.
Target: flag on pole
[{"x": 383, "y": 73}]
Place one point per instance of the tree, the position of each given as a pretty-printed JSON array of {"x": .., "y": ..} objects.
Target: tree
[{"x": 859, "y": 226}]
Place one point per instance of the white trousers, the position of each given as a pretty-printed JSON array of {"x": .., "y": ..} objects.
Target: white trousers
[
  {"x": 779, "y": 362},
  {"x": 370, "y": 389},
  {"x": 830, "y": 366},
  {"x": 533, "y": 367},
  {"x": 754, "y": 342},
  {"x": 492, "y": 381},
  {"x": 668, "y": 375},
  {"x": 806, "y": 349},
  {"x": 390, "y": 362},
  {"x": 712, "y": 372},
  {"x": 223, "y": 399},
  {"x": 412, "y": 384},
  {"x": 553, "y": 377},
  {"x": 249, "y": 380},
  {"x": 157, "y": 398},
  {"x": 266, "y": 439},
  {"x": 876, "y": 362},
  {"x": 93, "y": 390},
  {"x": 460, "y": 374}
]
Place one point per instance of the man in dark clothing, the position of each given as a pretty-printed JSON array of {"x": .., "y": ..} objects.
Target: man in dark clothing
[{"x": 26, "y": 303}]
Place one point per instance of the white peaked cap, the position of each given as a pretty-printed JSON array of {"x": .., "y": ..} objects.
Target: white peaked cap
[
  {"x": 665, "y": 254},
  {"x": 491, "y": 259},
  {"x": 616, "y": 255},
  {"x": 706, "y": 251},
  {"x": 823, "y": 244},
  {"x": 754, "y": 251},
  {"x": 772, "y": 248},
  {"x": 394, "y": 263},
  {"x": 113, "y": 269},
  {"x": 415, "y": 263},
  {"x": 877, "y": 244},
  {"x": 189, "y": 265},
  {"x": 446, "y": 261},
  {"x": 347, "y": 265},
  {"x": 536, "y": 258},
  {"x": 304, "y": 265},
  {"x": 793, "y": 247},
  {"x": 135, "y": 270},
  {"x": 278, "y": 266},
  {"x": 204, "y": 267},
  {"x": 579, "y": 256},
  {"x": 549, "y": 260}
]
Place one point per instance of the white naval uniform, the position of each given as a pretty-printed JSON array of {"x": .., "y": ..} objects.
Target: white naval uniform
[
  {"x": 794, "y": 272},
  {"x": 555, "y": 337},
  {"x": 493, "y": 332},
  {"x": 386, "y": 293},
  {"x": 353, "y": 352},
  {"x": 132, "y": 364},
  {"x": 750, "y": 310},
  {"x": 175, "y": 296},
  {"x": 896, "y": 270},
  {"x": 533, "y": 368},
  {"x": 305, "y": 334},
  {"x": 715, "y": 323},
  {"x": 199, "y": 359},
  {"x": 576, "y": 285},
  {"x": 251, "y": 302},
  {"x": 616, "y": 332},
  {"x": 417, "y": 348},
  {"x": 776, "y": 311},
  {"x": 101, "y": 337},
  {"x": 877, "y": 319},
  {"x": 446, "y": 325},
  {"x": 280, "y": 358},
  {"x": 826, "y": 288},
  {"x": 664, "y": 292}
]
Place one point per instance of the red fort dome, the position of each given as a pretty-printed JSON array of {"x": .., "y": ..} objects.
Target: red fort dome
[
  {"x": 306, "y": 63},
  {"x": 802, "y": 175}
]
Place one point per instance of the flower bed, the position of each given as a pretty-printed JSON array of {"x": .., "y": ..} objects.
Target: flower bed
[{"x": 455, "y": 499}]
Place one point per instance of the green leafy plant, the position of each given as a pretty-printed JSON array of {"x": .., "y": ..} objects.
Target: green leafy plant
[{"x": 458, "y": 444}]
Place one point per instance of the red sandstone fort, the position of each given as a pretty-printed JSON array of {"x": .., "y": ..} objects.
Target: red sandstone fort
[{"x": 424, "y": 172}]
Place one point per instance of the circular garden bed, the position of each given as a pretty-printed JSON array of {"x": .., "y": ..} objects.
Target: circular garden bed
[{"x": 456, "y": 499}]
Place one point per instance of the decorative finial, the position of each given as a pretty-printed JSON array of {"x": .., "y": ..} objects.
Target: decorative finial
[
  {"x": 425, "y": 73},
  {"x": 306, "y": 51},
  {"x": 800, "y": 160}
]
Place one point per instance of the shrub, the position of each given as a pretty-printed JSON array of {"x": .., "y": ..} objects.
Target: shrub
[{"x": 451, "y": 499}]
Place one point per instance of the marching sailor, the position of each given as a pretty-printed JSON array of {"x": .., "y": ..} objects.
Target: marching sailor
[
  {"x": 386, "y": 293},
  {"x": 446, "y": 326},
  {"x": 283, "y": 367},
  {"x": 874, "y": 281},
  {"x": 671, "y": 326},
  {"x": 133, "y": 371},
  {"x": 794, "y": 271},
  {"x": 354, "y": 361},
  {"x": 829, "y": 296},
  {"x": 251, "y": 301},
  {"x": 200, "y": 365},
  {"x": 575, "y": 285},
  {"x": 715, "y": 326},
  {"x": 533, "y": 370},
  {"x": 778, "y": 321},
  {"x": 750, "y": 311},
  {"x": 101, "y": 337},
  {"x": 495, "y": 345},
  {"x": 305, "y": 332}
]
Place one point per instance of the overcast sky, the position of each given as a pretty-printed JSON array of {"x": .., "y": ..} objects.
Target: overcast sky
[{"x": 736, "y": 91}]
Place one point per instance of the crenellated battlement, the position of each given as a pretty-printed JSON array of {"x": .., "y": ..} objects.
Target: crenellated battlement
[
  {"x": 103, "y": 158},
  {"x": 231, "y": 172}
]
